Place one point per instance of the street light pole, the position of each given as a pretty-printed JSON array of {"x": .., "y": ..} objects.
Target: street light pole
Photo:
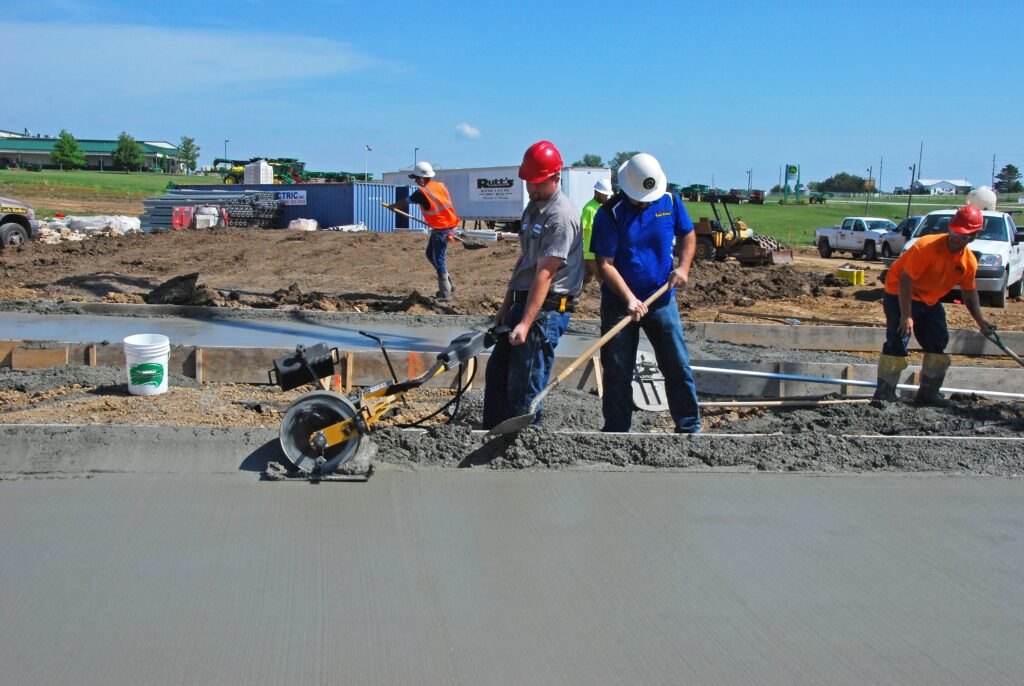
[
  {"x": 750, "y": 175},
  {"x": 867, "y": 191},
  {"x": 910, "y": 191},
  {"x": 415, "y": 156},
  {"x": 226, "y": 141}
]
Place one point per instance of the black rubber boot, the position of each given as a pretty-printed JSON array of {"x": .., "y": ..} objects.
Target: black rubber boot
[
  {"x": 444, "y": 287},
  {"x": 451, "y": 284},
  {"x": 933, "y": 373},
  {"x": 889, "y": 369}
]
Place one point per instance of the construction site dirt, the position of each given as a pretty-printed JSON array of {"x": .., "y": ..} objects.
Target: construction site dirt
[{"x": 266, "y": 274}]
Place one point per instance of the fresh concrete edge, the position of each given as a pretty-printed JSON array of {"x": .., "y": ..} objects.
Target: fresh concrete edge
[{"x": 61, "y": 450}]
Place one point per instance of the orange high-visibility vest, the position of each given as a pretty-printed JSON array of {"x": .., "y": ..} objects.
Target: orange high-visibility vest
[{"x": 441, "y": 213}]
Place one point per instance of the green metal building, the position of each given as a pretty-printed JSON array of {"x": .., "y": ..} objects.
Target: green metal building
[{"x": 34, "y": 152}]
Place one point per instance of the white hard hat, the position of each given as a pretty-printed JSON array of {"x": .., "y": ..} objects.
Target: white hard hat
[
  {"x": 642, "y": 179},
  {"x": 982, "y": 197},
  {"x": 603, "y": 186},
  {"x": 422, "y": 170}
]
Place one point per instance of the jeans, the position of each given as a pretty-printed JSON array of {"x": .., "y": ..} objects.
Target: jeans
[
  {"x": 517, "y": 373},
  {"x": 437, "y": 247},
  {"x": 930, "y": 327},
  {"x": 618, "y": 357}
]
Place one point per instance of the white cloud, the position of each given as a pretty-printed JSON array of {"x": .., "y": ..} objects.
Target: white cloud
[
  {"x": 465, "y": 130},
  {"x": 121, "y": 62}
]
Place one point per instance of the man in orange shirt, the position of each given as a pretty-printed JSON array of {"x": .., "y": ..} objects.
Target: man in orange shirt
[
  {"x": 439, "y": 214},
  {"x": 916, "y": 282}
]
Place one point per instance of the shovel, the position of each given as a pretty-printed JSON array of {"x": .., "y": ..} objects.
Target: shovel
[
  {"x": 515, "y": 424},
  {"x": 995, "y": 339},
  {"x": 470, "y": 245}
]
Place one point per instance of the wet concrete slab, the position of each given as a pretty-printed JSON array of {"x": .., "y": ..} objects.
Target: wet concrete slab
[{"x": 475, "y": 576}]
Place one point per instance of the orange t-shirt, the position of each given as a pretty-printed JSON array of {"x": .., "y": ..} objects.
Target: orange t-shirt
[{"x": 934, "y": 269}]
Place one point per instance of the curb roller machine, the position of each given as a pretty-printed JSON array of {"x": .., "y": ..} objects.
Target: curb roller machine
[
  {"x": 325, "y": 436},
  {"x": 716, "y": 242}
]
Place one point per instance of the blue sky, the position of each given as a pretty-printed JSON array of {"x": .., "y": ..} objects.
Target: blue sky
[{"x": 711, "y": 89}]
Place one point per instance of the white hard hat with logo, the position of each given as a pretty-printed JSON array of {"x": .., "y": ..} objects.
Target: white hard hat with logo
[
  {"x": 642, "y": 179},
  {"x": 603, "y": 186},
  {"x": 422, "y": 170}
]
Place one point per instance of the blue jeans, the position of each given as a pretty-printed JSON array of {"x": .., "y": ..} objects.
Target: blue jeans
[
  {"x": 618, "y": 357},
  {"x": 517, "y": 373},
  {"x": 930, "y": 327},
  {"x": 437, "y": 247}
]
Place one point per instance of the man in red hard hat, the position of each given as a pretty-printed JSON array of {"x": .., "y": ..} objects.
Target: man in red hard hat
[
  {"x": 541, "y": 293},
  {"x": 916, "y": 282}
]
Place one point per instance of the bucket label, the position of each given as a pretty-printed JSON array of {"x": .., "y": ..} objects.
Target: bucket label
[{"x": 147, "y": 374}]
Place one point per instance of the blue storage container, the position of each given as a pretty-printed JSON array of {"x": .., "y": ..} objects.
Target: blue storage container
[
  {"x": 404, "y": 193},
  {"x": 330, "y": 204}
]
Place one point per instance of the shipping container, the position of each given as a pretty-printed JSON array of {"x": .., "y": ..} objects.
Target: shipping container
[
  {"x": 403, "y": 192},
  {"x": 330, "y": 204},
  {"x": 497, "y": 194}
]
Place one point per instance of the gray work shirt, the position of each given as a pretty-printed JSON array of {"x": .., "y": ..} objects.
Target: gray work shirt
[{"x": 551, "y": 228}]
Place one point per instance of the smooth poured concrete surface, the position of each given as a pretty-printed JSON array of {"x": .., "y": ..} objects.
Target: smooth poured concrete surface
[
  {"x": 253, "y": 333},
  {"x": 482, "y": 577}
]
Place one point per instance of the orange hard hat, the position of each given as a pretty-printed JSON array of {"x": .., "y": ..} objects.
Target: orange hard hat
[
  {"x": 967, "y": 220},
  {"x": 541, "y": 161}
]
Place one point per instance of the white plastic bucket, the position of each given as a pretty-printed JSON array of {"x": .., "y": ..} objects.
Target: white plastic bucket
[{"x": 146, "y": 362}]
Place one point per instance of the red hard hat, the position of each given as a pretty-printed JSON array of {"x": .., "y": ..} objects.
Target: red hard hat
[
  {"x": 541, "y": 161},
  {"x": 967, "y": 220}
]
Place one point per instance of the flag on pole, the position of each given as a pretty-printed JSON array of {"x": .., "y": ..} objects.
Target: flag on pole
[{"x": 369, "y": 149}]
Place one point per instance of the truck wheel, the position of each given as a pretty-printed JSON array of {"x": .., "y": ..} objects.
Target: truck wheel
[
  {"x": 855, "y": 255},
  {"x": 870, "y": 252},
  {"x": 998, "y": 299},
  {"x": 886, "y": 250},
  {"x": 824, "y": 249},
  {"x": 12, "y": 234},
  {"x": 705, "y": 248},
  {"x": 1016, "y": 289}
]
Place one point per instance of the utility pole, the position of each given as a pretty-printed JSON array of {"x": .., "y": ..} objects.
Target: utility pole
[
  {"x": 920, "y": 152},
  {"x": 226, "y": 141},
  {"x": 993, "y": 171},
  {"x": 780, "y": 176},
  {"x": 750, "y": 176},
  {"x": 415, "y": 156},
  {"x": 878, "y": 186},
  {"x": 867, "y": 191},
  {"x": 910, "y": 191}
]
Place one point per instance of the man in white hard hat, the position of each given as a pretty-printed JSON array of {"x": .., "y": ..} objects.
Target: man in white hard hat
[
  {"x": 439, "y": 213},
  {"x": 633, "y": 239},
  {"x": 602, "y": 191}
]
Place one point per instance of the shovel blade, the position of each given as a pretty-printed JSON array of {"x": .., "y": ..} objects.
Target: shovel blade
[{"x": 513, "y": 425}]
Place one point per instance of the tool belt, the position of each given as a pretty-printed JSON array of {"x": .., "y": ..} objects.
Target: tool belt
[{"x": 557, "y": 302}]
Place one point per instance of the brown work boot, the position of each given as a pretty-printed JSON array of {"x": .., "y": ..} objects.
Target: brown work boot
[{"x": 933, "y": 373}]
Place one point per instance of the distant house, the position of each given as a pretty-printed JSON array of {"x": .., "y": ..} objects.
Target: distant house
[
  {"x": 942, "y": 186},
  {"x": 34, "y": 151}
]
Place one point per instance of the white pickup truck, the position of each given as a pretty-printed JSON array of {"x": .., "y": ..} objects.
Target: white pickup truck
[
  {"x": 856, "y": 235},
  {"x": 999, "y": 249}
]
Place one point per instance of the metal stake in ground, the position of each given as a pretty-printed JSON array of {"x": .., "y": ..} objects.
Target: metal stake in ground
[
  {"x": 471, "y": 245},
  {"x": 519, "y": 423}
]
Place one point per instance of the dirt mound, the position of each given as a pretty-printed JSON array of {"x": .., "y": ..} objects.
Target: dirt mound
[{"x": 727, "y": 283}]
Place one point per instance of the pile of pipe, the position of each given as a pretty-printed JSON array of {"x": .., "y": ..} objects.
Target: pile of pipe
[{"x": 257, "y": 209}]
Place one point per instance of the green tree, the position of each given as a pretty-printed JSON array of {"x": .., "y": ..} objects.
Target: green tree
[
  {"x": 843, "y": 183},
  {"x": 1008, "y": 180},
  {"x": 66, "y": 152},
  {"x": 188, "y": 152},
  {"x": 617, "y": 161},
  {"x": 589, "y": 160},
  {"x": 128, "y": 153}
]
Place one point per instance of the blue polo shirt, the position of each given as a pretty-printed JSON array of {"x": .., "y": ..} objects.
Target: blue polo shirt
[{"x": 640, "y": 242}]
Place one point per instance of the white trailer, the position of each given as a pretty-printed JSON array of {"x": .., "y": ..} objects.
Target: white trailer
[{"x": 496, "y": 196}]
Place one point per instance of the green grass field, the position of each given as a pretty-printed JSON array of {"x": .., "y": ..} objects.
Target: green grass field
[{"x": 140, "y": 184}]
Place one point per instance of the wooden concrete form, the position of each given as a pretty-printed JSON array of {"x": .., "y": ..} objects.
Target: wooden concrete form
[{"x": 361, "y": 368}]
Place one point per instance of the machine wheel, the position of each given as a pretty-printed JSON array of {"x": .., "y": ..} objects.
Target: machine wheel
[
  {"x": 870, "y": 252},
  {"x": 998, "y": 298},
  {"x": 311, "y": 412},
  {"x": 886, "y": 250},
  {"x": 229, "y": 181},
  {"x": 12, "y": 234},
  {"x": 824, "y": 249},
  {"x": 1017, "y": 289},
  {"x": 705, "y": 248}
]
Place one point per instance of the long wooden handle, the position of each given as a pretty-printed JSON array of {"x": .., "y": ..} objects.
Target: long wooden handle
[
  {"x": 404, "y": 214},
  {"x": 605, "y": 338}
]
